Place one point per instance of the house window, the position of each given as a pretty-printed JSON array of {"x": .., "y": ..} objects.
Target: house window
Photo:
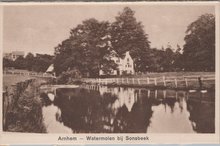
[{"x": 127, "y": 59}]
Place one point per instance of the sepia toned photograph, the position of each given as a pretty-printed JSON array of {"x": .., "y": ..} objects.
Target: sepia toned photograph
[{"x": 109, "y": 68}]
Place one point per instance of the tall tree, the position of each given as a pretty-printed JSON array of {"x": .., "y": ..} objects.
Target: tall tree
[
  {"x": 178, "y": 57},
  {"x": 30, "y": 59},
  {"x": 199, "y": 48},
  {"x": 127, "y": 34},
  {"x": 87, "y": 49}
]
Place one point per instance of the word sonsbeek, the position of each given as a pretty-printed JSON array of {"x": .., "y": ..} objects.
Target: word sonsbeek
[{"x": 137, "y": 138}]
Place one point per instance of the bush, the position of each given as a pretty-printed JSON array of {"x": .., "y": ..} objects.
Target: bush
[{"x": 68, "y": 76}]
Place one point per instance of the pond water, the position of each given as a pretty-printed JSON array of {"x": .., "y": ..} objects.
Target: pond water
[{"x": 101, "y": 109}]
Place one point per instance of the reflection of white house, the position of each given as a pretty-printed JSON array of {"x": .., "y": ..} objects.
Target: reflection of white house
[
  {"x": 126, "y": 97},
  {"x": 125, "y": 65},
  {"x": 102, "y": 90}
]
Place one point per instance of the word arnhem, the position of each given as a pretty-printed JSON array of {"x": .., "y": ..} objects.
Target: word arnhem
[{"x": 67, "y": 138}]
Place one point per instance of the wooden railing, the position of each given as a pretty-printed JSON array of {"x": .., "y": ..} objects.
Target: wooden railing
[
  {"x": 155, "y": 81},
  {"x": 34, "y": 74}
]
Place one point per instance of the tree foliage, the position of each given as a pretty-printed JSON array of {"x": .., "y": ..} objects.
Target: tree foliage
[
  {"x": 91, "y": 43},
  {"x": 38, "y": 63},
  {"x": 199, "y": 48},
  {"x": 87, "y": 49},
  {"x": 128, "y": 35}
]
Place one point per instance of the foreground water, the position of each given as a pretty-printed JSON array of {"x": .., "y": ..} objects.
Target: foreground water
[{"x": 101, "y": 109}]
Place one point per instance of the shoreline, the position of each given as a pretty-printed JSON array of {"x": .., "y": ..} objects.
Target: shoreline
[{"x": 22, "y": 107}]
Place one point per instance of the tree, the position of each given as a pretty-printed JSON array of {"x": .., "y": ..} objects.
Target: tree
[
  {"x": 20, "y": 63},
  {"x": 178, "y": 57},
  {"x": 199, "y": 48},
  {"x": 7, "y": 63},
  {"x": 127, "y": 34},
  {"x": 30, "y": 61},
  {"x": 86, "y": 50},
  {"x": 41, "y": 62}
]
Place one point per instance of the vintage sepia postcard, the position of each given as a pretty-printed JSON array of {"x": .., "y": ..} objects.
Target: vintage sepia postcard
[{"x": 109, "y": 73}]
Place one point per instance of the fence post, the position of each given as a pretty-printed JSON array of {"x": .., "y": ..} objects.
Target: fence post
[
  {"x": 175, "y": 80},
  {"x": 155, "y": 81},
  {"x": 148, "y": 93},
  {"x": 133, "y": 81},
  {"x": 164, "y": 93},
  {"x": 138, "y": 80},
  {"x": 164, "y": 81},
  {"x": 186, "y": 81},
  {"x": 148, "y": 81}
]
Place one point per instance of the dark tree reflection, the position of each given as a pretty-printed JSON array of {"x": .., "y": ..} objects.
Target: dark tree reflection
[
  {"x": 202, "y": 116},
  {"x": 128, "y": 110},
  {"x": 87, "y": 111}
]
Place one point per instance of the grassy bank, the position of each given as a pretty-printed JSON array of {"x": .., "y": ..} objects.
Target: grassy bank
[
  {"x": 21, "y": 105},
  {"x": 9, "y": 80},
  {"x": 169, "y": 74}
]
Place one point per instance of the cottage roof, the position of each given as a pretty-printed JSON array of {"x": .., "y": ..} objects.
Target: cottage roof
[
  {"x": 50, "y": 68},
  {"x": 20, "y": 53}
]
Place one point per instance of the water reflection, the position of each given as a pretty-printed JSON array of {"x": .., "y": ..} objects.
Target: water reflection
[
  {"x": 101, "y": 109},
  {"x": 52, "y": 116}
]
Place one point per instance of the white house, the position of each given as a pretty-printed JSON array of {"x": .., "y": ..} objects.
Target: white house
[
  {"x": 14, "y": 55},
  {"x": 125, "y": 65}
]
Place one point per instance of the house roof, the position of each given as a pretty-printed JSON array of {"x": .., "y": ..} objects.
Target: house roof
[
  {"x": 50, "y": 68},
  {"x": 18, "y": 53}
]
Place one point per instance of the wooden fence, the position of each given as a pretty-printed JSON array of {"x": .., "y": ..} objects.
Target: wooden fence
[
  {"x": 155, "y": 81},
  {"x": 34, "y": 74}
]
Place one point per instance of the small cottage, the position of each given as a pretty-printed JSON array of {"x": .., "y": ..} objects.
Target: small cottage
[{"x": 125, "y": 65}]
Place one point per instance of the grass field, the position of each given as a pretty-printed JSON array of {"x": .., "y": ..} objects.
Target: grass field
[{"x": 173, "y": 74}]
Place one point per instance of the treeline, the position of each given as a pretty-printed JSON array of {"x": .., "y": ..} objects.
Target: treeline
[
  {"x": 92, "y": 43},
  {"x": 37, "y": 63}
]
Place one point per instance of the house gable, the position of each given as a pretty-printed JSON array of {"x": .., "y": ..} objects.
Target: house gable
[{"x": 125, "y": 65}]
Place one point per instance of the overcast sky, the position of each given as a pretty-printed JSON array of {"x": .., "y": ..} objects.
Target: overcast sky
[{"x": 41, "y": 28}]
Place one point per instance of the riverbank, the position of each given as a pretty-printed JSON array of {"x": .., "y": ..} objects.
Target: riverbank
[{"x": 22, "y": 107}]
